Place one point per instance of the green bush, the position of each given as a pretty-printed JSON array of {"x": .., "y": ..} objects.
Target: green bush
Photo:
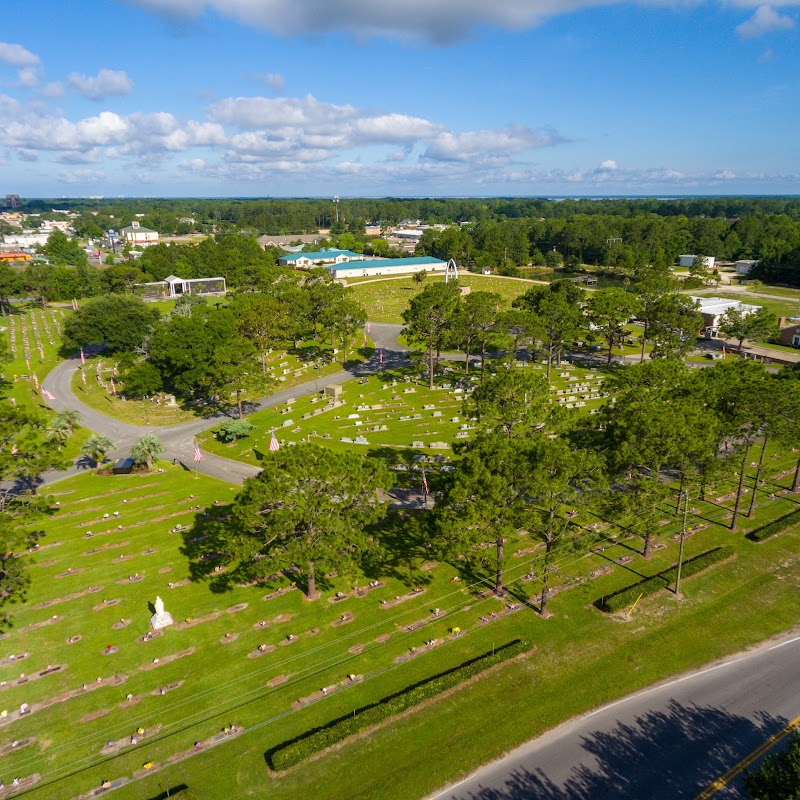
[
  {"x": 776, "y": 526},
  {"x": 291, "y": 753},
  {"x": 627, "y": 596},
  {"x": 235, "y": 429}
]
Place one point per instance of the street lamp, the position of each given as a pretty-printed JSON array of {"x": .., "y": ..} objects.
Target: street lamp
[{"x": 317, "y": 368}]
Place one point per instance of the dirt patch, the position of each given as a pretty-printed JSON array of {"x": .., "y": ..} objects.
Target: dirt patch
[
  {"x": 95, "y": 715},
  {"x": 107, "y": 604}
]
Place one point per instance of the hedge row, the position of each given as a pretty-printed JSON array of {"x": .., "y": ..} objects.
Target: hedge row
[
  {"x": 627, "y": 596},
  {"x": 776, "y": 526},
  {"x": 293, "y": 752}
]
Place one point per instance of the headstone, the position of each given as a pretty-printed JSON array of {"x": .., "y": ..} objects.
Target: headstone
[
  {"x": 170, "y": 400},
  {"x": 161, "y": 619}
]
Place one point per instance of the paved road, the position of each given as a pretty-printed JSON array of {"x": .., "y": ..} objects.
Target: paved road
[
  {"x": 178, "y": 438},
  {"x": 668, "y": 742}
]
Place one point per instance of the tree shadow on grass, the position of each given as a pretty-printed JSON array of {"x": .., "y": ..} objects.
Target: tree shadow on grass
[
  {"x": 399, "y": 548},
  {"x": 206, "y": 545},
  {"x": 668, "y": 754}
]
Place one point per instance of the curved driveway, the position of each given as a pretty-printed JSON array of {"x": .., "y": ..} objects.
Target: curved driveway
[{"x": 178, "y": 439}]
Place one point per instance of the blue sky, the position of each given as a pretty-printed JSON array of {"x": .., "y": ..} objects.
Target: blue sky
[{"x": 399, "y": 97}]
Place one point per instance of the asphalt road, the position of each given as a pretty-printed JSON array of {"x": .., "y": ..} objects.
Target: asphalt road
[
  {"x": 668, "y": 742},
  {"x": 178, "y": 439}
]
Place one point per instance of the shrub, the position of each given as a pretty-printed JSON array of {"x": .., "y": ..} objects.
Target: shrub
[
  {"x": 235, "y": 429},
  {"x": 291, "y": 753},
  {"x": 627, "y": 596},
  {"x": 776, "y": 526}
]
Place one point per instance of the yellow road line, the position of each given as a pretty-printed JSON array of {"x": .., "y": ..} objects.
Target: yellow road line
[{"x": 724, "y": 780}]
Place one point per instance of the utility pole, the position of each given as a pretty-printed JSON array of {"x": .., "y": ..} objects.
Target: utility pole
[
  {"x": 680, "y": 548},
  {"x": 336, "y": 205}
]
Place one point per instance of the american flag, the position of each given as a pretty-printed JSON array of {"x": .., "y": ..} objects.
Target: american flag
[
  {"x": 369, "y": 328},
  {"x": 380, "y": 356},
  {"x": 113, "y": 388},
  {"x": 36, "y": 381},
  {"x": 74, "y": 304},
  {"x": 83, "y": 357},
  {"x": 197, "y": 454},
  {"x": 47, "y": 394},
  {"x": 274, "y": 446},
  {"x": 83, "y": 377},
  {"x": 425, "y": 483}
]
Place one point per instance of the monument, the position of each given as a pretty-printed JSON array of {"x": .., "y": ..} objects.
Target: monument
[{"x": 161, "y": 619}]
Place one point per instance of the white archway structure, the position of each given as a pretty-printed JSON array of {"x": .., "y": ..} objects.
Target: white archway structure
[{"x": 451, "y": 269}]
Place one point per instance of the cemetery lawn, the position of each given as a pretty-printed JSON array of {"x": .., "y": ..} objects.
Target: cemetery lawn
[
  {"x": 581, "y": 658},
  {"x": 20, "y": 386},
  {"x": 299, "y": 369},
  {"x": 391, "y": 414},
  {"x": 385, "y": 300}
]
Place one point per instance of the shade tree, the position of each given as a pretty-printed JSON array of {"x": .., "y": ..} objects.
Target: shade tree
[
  {"x": 429, "y": 317},
  {"x": 609, "y": 310},
  {"x": 557, "y": 316},
  {"x": 475, "y": 321},
  {"x": 554, "y": 477},
  {"x": 513, "y": 402},
  {"x": 481, "y": 501},
  {"x": 310, "y": 508}
]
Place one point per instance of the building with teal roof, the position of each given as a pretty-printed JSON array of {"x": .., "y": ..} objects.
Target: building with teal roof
[{"x": 321, "y": 258}]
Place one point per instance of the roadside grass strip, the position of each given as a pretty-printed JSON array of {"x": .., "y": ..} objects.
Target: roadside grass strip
[
  {"x": 776, "y": 526},
  {"x": 629, "y": 595},
  {"x": 314, "y": 741}
]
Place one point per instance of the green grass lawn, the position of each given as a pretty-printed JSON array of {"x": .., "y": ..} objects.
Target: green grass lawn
[
  {"x": 779, "y": 291},
  {"x": 284, "y": 370},
  {"x": 781, "y": 308},
  {"x": 385, "y": 300},
  {"x": 391, "y": 411},
  {"x": 582, "y": 657},
  {"x": 19, "y": 373}
]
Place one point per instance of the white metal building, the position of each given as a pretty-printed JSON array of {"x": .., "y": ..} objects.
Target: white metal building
[
  {"x": 687, "y": 260},
  {"x": 388, "y": 266},
  {"x": 712, "y": 308}
]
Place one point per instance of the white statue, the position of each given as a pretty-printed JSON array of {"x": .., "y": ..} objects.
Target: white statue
[{"x": 162, "y": 618}]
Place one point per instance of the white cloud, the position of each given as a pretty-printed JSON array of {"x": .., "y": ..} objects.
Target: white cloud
[
  {"x": 15, "y": 55},
  {"x": 396, "y": 128},
  {"x": 609, "y": 164},
  {"x": 81, "y": 176},
  {"x": 279, "y": 112},
  {"x": 439, "y": 21},
  {"x": 28, "y": 76},
  {"x": 765, "y": 20},
  {"x": 449, "y": 146},
  {"x": 98, "y": 87},
  {"x": 53, "y": 89},
  {"x": 274, "y": 80}
]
